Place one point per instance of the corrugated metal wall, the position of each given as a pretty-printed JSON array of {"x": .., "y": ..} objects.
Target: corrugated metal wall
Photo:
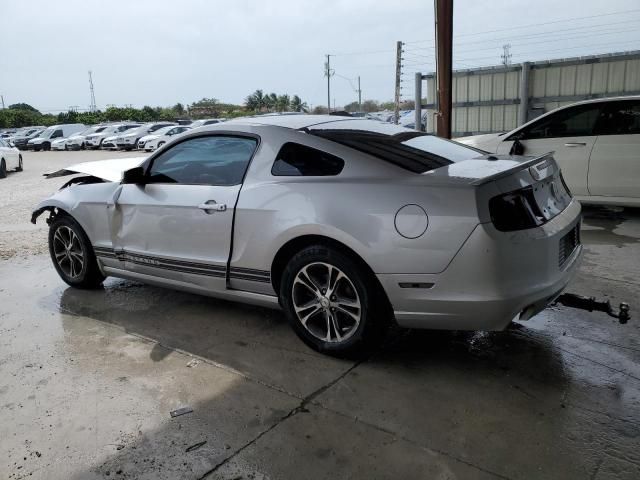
[{"x": 487, "y": 100}]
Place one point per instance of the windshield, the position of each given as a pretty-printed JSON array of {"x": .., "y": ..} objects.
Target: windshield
[
  {"x": 47, "y": 132},
  {"x": 163, "y": 131},
  {"x": 414, "y": 151},
  {"x": 122, "y": 128},
  {"x": 157, "y": 127}
]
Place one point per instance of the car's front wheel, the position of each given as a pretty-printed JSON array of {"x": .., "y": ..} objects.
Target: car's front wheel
[
  {"x": 72, "y": 253},
  {"x": 3, "y": 168},
  {"x": 332, "y": 302}
]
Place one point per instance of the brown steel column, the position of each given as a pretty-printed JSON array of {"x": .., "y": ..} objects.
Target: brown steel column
[{"x": 444, "y": 60}]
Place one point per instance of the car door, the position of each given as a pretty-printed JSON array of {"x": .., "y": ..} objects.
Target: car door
[
  {"x": 614, "y": 168},
  {"x": 569, "y": 133},
  {"x": 177, "y": 224}
]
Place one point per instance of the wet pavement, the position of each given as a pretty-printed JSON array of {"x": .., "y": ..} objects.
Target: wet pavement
[{"x": 88, "y": 380}]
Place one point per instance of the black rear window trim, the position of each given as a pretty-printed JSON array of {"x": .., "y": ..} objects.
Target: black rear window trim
[{"x": 415, "y": 165}]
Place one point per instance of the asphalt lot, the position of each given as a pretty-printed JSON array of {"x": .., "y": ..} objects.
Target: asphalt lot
[{"x": 88, "y": 378}]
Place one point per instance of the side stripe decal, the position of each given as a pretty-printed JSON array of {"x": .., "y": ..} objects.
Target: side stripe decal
[{"x": 195, "y": 268}]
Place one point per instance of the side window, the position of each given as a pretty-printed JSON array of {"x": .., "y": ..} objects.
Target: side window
[
  {"x": 212, "y": 160},
  {"x": 621, "y": 118},
  {"x": 56, "y": 134},
  {"x": 295, "y": 160},
  {"x": 571, "y": 122}
]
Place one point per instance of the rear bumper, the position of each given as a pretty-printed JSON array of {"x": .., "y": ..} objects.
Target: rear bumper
[{"x": 494, "y": 278}]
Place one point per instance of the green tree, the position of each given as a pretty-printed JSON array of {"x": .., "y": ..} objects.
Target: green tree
[
  {"x": 283, "y": 103},
  {"x": 297, "y": 105},
  {"x": 370, "y": 106}
]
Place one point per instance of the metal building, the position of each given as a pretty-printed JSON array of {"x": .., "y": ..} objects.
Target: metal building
[{"x": 488, "y": 99}]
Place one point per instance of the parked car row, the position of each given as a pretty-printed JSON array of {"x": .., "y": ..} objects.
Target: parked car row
[{"x": 112, "y": 136}]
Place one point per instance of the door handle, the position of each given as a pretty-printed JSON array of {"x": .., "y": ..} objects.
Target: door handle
[
  {"x": 575, "y": 144},
  {"x": 213, "y": 206}
]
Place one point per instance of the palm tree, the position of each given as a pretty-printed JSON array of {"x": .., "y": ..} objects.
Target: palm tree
[
  {"x": 271, "y": 101},
  {"x": 297, "y": 105},
  {"x": 255, "y": 101},
  {"x": 283, "y": 103}
]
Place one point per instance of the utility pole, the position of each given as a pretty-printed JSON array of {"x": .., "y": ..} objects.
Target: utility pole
[
  {"x": 444, "y": 60},
  {"x": 396, "y": 115},
  {"x": 92, "y": 107},
  {"x": 506, "y": 54},
  {"x": 359, "y": 96},
  {"x": 2, "y": 101},
  {"x": 328, "y": 73}
]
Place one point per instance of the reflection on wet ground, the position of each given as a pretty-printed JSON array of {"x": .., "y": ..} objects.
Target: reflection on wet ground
[
  {"x": 88, "y": 379},
  {"x": 601, "y": 226}
]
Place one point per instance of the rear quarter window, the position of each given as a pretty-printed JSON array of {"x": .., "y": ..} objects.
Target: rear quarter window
[{"x": 295, "y": 160}]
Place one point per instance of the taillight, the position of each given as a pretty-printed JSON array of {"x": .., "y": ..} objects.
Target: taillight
[{"x": 516, "y": 211}]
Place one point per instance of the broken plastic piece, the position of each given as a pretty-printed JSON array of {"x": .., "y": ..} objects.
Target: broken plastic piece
[{"x": 180, "y": 411}]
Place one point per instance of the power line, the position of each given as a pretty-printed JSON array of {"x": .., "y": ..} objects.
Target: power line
[{"x": 519, "y": 27}]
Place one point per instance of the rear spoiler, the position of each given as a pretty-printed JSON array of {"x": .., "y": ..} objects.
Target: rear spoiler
[{"x": 542, "y": 170}]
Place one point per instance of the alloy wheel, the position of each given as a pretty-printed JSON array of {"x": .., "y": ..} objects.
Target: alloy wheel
[
  {"x": 326, "y": 302},
  {"x": 68, "y": 252}
]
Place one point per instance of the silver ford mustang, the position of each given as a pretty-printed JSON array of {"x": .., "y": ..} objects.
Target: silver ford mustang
[{"x": 346, "y": 224}]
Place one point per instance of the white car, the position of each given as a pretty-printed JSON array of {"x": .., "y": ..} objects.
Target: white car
[
  {"x": 76, "y": 141},
  {"x": 129, "y": 140},
  {"x": 94, "y": 140},
  {"x": 160, "y": 137},
  {"x": 10, "y": 158},
  {"x": 206, "y": 121},
  {"x": 109, "y": 143},
  {"x": 60, "y": 144},
  {"x": 595, "y": 142}
]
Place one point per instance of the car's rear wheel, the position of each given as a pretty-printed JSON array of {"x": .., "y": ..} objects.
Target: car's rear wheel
[
  {"x": 3, "y": 168},
  {"x": 19, "y": 168},
  {"x": 332, "y": 302},
  {"x": 46, "y": 146},
  {"x": 72, "y": 254}
]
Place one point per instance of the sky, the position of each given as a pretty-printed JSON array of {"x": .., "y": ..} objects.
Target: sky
[{"x": 158, "y": 52}]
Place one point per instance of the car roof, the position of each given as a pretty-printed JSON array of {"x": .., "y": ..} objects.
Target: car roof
[
  {"x": 606, "y": 99},
  {"x": 295, "y": 122}
]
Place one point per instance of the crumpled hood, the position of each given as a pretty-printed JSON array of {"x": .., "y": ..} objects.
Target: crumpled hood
[
  {"x": 110, "y": 170},
  {"x": 488, "y": 142}
]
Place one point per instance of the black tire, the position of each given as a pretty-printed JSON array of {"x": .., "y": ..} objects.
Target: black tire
[
  {"x": 19, "y": 168},
  {"x": 46, "y": 146},
  {"x": 160, "y": 145},
  {"x": 374, "y": 310},
  {"x": 3, "y": 168},
  {"x": 89, "y": 275},
  {"x": 36, "y": 149}
]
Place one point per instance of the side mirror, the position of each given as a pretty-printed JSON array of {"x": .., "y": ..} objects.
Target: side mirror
[{"x": 134, "y": 176}]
